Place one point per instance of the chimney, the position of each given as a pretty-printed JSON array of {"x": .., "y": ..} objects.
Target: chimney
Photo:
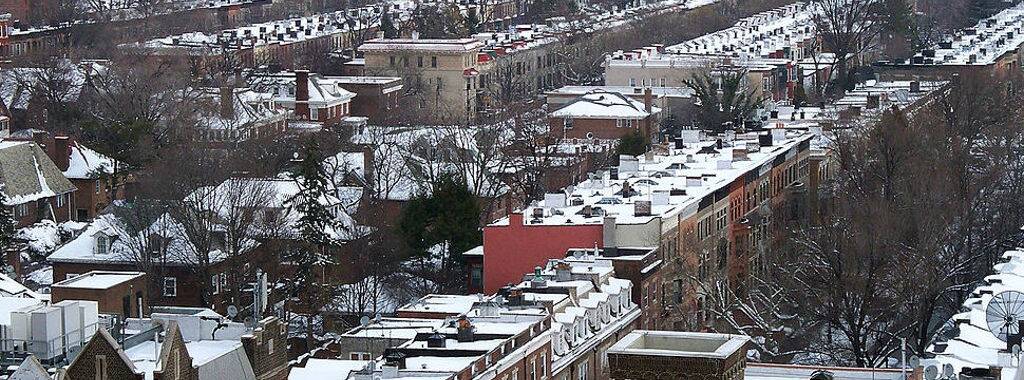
[
  {"x": 642, "y": 208},
  {"x": 515, "y": 219},
  {"x": 555, "y": 200},
  {"x": 563, "y": 271},
  {"x": 436, "y": 340},
  {"x": 61, "y": 152},
  {"x": 465, "y": 330},
  {"x": 648, "y": 100},
  {"x": 609, "y": 232},
  {"x": 915, "y": 86},
  {"x": 227, "y": 103},
  {"x": 302, "y": 94}
]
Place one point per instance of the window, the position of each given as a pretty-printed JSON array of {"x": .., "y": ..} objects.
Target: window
[
  {"x": 532, "y": 369},
  {"x": 215, "y": 284},
  {"x": 170, "y": 287},
  {"x": 20, "y": 210},
  {"x": 581, "y": 371},
  {"x": 270, "y": 345},
  {"x": 515, "y": 374},
  {"x": 662, "y": 82},
  {"x": 101, "y": 367},
  {"x": 419, "y": 61},
  {"x": 433, "y": 61},
  {"x": 359, "y": 356},
  {"x": 543, "y": 366},
  {"x": 61, "y": 200},
  {"x": 314, "y": 114},
  {"x": 632, "y": 82},
  {"x": 476, "y": 277},
  {"x": 102, "y": 244}
]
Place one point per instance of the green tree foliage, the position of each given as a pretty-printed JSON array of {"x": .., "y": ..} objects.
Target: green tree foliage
[
  {"x": 7, "y": 222},
  {"x": 633, "y": 144},
  {"x": 724, "y": 97},
  {"x": 439, "y": 21},
  {"x": 316, "y": 226},
  {"x": 388, "y": 26},
  {"x": 472, "y": 21},
  {"x": 449, "y": 217}
]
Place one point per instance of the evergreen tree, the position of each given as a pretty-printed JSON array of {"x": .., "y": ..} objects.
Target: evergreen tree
[
  {"x": 472, "y": 22},
  {"x": 633, "y": 144},
  {"x": 388, "y": 26},
  {"x": 450, "y": 217},
  {"x": 316, "y": 229},
  {"x": 7, "y": 223}
]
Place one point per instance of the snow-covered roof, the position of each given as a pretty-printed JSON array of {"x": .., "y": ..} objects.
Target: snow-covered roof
[
  {"x": 326, "y": 369},
  {"x": 11, "y": 288},
  {"x": 248, "y": 109},
  {"x": 441, "y": 303},
  {"x": 225, "y": 359},
  {"x": 674, "y": 182},
  {"x": 458, "y": 45},
  {"x": 788, "y": 28},
  {"x": 85, "y": 163},
  {"x": 30, "y": 369},
  {"x": 657, "y": 92},
  {"x": 605, "y": 105},
  {"x": 282, "y": 32},
  {"x": 125, "y": 244},
  {"x": 975, "y": 346},
  {"x": 99, "y": 280},
  {"x": 982, "y": 44},
  {"x": 27, "y": 173}
]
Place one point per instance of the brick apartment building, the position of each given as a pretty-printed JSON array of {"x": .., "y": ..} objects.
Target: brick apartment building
[{"x": 35, "y": 187}]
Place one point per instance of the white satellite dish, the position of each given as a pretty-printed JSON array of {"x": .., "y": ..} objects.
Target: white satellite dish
[
  {"x": 1004, "y": 312},
  {"x": 915, "y": 361},
  {"x": 947, "y": 370},
  {"x": 364, "y": 321},
  {"x": 931, "y": 372},
  {"x": 1015, "y": 350},
  {"x": 232, "y": 311}
]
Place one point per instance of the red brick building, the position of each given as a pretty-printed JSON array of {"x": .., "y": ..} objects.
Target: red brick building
[
  {"x": 605, "y": 116},
  {"x": 117, "y": 293}
]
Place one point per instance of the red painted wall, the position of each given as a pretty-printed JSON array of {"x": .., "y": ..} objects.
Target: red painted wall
[{"x": 512, "y": 251}]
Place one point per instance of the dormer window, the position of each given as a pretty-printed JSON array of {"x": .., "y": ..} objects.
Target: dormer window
[{"x": 102, "y": 244}]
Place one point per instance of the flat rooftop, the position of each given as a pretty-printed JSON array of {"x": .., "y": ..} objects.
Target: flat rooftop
[
  {"x": 681, "y": 344},
  {"x": 99, "y": 280}
]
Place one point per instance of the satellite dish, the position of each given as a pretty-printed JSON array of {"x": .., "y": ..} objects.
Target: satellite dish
[
  {"x": 232, "y": 311},
  {"x": 1003, "y": 313},
  {"x": 931, "y": 372},
  {"x": 364, "y": 321},
  {"x": 947, "y": 370},
  {"x": 915, "y": 361},
  {"x": 376, "y": 318},
  {"x": 1015, "y": 350}
]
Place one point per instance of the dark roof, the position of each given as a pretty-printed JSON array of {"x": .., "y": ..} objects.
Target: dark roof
[{"x": 28, "y": 174}]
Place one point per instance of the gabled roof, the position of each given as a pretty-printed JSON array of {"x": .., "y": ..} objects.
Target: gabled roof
[
  {"x": 85, "y": 163},
  {"x": 30, "y": 369},
  {"x": 28, "y": 174},
  {"x": 605, "y": 105}
]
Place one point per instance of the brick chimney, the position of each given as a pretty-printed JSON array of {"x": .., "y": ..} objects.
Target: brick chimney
[
  {"x": 648, "y": 100},
  {"x": 61, "y": 152},
  {"x": 302, "y": 94},
  {"x": 227, "y": 103}
]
